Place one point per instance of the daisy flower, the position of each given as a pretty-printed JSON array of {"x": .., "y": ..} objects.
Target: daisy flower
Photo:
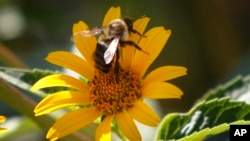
[
  {"x": 2, "y": 120},
  {"x": 103, "y": 96}
]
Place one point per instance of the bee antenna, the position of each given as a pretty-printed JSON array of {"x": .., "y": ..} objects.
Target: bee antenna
[{"x": 127, "y": 12}]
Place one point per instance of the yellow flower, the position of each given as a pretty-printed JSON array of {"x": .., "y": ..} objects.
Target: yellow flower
[
  {"x": 121, "y": 101},
  {"x": 2, "y": 120}
]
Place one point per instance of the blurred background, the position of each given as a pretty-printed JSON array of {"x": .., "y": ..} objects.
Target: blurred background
[{"x": 211, "y": 38}]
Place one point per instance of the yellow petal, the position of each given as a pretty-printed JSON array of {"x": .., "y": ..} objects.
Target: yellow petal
[
  {"x": 164, "y": 74},
  {"x": 2, "y": 119},
  {"x": 113, "y": 13},
  {"x": 60, "y": 100},
  {"x": 140, "y": 25},
  {"x": 73, "y": 62},
  {"x": 86, "y": 45},
  {"x": 144, "y": 114},
  {"x": 59, "y": 80},
  {"x": 3, "y": 130},
  {"x": 161, "y": 90},
  {"x": 128, "y": 51},
  {"x": 153, "y": 43},
  {"x": 103, "y": 131},
  {"x": 127, "y": 126},
  {"x": 72, "y": 122}
]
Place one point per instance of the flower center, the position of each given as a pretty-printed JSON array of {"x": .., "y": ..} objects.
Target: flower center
[{"x": 113, "y": 92}]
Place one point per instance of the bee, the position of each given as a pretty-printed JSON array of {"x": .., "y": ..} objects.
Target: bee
[{"x": 110, "y": 37}]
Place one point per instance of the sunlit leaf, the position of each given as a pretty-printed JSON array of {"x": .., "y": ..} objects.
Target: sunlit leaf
[
  {"x": 236, "y": 89},
  {"x": 206, "y": 115},
  {"x": 25, "y": 78},
  {"x": 212, "y": 115}
]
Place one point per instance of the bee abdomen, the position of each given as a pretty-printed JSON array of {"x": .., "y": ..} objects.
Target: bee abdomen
[{"x": 99, "y": 59}]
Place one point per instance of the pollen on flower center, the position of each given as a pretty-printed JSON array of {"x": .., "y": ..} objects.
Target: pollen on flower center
[{"x": 112, "y": 92}]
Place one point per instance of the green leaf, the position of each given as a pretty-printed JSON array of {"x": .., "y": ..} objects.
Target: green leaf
[
  {"x": 25, "y": 78},
  {"x": 236, "y": 89},
  {"x": 197, "y": 136},
  {"x": 213, "y": 113},
  {"x": 16, "y": 76},
  {"x": 209, "y": 117}
]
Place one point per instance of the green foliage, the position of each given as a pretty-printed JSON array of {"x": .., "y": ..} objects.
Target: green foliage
[
  {"x": 212, "y": 115},
  {"x": 25, "y": 78},
  {"x": 235, "y": 89},
  {"x": 13, "y": 75}
]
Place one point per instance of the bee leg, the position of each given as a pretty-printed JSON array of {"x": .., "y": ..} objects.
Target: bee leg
[
  {"x": 136, "y": 32},
  {"x": 131, "y": 43}
]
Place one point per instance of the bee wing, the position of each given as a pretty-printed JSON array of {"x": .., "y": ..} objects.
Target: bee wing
[
  {"x": 110, "y": 52},
  {"x": 88, "y": 32}
]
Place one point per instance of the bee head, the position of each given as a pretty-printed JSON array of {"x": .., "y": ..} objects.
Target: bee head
[
  {"x": 117, "y": 28},
  {"x": 129, "y": 23}
]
